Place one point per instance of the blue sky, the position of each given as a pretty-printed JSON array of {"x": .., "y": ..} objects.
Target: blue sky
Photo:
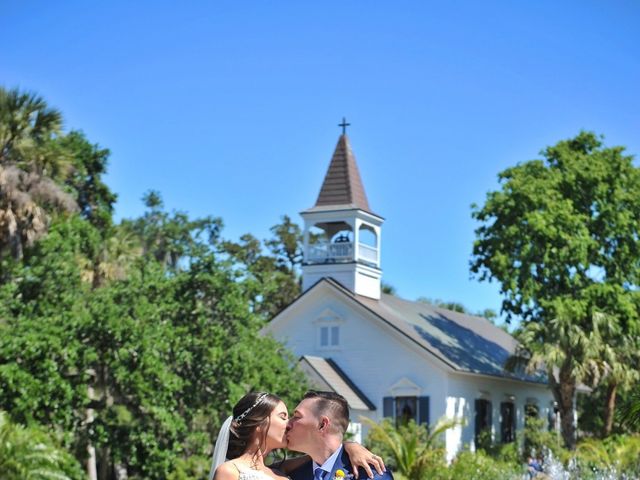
[{"x": 231, "y": 108}]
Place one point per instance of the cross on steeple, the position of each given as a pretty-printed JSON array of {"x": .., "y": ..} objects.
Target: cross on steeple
[{"x": 344, "y": 125}]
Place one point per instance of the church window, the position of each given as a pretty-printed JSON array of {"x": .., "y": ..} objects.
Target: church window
[
  {"x": 553, "y": 416},
  {"x": 330, "y": 336},
  {"x": 483, "y": 422},
  {"x": 335, "y": 336},
  {"x": 324, "y": 336},
  {"x": 405, "y": 409},
  {"x": 507, "y": 422}
]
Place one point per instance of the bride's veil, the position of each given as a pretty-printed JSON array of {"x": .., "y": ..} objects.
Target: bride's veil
[{"x": 222, "y": 443}]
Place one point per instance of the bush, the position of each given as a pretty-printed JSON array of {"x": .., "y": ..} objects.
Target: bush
[
  {"x": 26, "y": 452},
  {"x": 412, "y": 451},
  {"x": 479, "y": 466},
  {"x": 621, "y": 452}
]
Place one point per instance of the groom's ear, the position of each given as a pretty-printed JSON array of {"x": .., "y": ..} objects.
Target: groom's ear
[{"x": 324, "y": 423}]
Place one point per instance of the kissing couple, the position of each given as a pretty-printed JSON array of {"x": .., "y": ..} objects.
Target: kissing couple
[{"x": 260, "y": 423}]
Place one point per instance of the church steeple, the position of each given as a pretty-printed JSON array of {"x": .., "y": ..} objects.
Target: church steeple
[
  {"x": 342, "y": 184},
  {"x": 341, "y": 234}
]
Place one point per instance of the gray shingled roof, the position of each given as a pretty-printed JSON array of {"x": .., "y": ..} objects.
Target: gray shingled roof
[
  {"x": 342, "y": 187},
  {"x": 328, "y": 375},
  {"x": 464, "y": 342}
]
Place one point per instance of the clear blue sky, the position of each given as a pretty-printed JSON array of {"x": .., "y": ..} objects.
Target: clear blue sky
[{"x": 230, "y": 108}]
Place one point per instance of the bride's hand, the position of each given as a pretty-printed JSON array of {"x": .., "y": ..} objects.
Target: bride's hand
[{"x": 361, "y": 457}]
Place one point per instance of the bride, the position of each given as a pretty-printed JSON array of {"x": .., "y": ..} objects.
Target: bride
[{"x": 257, "y": 427}]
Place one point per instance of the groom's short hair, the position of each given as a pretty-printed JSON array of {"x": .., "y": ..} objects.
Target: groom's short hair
[{"x": 332, "y": 405}]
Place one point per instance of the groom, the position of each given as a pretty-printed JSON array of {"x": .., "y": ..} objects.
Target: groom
[{"x": 317, "y": 428}]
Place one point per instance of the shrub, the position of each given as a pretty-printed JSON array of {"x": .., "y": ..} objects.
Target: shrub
[
  {"x": 29, "y": 453},
  {"x": 412, "y": 450}
]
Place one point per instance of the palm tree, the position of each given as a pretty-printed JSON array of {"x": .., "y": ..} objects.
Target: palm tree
[
  {"x": 620, "y": 358},
  {"x": 30, "y": 163},
  {"x": 113, "y": 258},
  {"x": 27, "y": 454},
  {"x": 26, "y": 121},
  {"x": 414, "y": 449},
  {"x": 569, "y": 353},
  {"x": 630, "y": 413}
]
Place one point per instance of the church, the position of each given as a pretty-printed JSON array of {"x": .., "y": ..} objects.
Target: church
[{"x": 390, "y": 357}]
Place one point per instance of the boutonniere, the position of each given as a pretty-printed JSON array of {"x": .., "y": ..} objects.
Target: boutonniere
[{"x": 342, "y": 475}]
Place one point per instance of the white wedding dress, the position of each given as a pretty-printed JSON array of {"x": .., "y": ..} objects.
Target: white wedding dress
[{"x": 252, "y": 474}]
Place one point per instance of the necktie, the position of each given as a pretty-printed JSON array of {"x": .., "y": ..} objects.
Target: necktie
[{"x": 318, "y": 474}]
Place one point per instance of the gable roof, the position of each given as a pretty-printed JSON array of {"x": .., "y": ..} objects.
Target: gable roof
[
  {"x": 332, "y": 377},
  {"x": 466, "y": 343},
  {"x": 342, "y": 187}
]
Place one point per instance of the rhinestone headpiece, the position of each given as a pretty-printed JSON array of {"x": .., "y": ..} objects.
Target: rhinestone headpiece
[{"x": 259, "y": 400}]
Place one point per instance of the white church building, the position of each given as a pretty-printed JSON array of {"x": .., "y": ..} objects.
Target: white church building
[{"x": 388, "y": 356}]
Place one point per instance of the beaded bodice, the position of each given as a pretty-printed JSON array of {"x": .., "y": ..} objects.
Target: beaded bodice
[{"x": 253, "y": 475}]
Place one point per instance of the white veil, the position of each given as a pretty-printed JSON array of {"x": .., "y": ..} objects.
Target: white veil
[{"x": 222, "y": 443}]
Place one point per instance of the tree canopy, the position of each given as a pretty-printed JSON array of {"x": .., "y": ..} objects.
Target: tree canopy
[
  {"x": 130, "y": 341},
  {"x": 562, "y": 238}
]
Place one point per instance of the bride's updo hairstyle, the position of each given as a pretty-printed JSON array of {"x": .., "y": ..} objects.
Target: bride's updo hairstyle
[{"x": 252, "y": 411}]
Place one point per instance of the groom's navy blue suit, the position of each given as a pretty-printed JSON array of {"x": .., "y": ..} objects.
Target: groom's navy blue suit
[{"x": 305, "y": 472}]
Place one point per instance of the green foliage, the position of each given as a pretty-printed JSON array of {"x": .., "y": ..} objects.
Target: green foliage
[
  {"x": 538, "y": 439},
  {"x": 272, "y": 279},
  {"x": 562, "y": 237},
  {"x": 30, "y": 454},
  {"x": 172, "y": 238},
  {"x": 415, "y": 453},
  {"x": 136, "y": 338},
  {"x": 89, "y": 162},
  {"x": 412, "y": 450},
  {"x": 44, "y": 172},
  {"x": 388, "y": 288},
  {"x": 487, "y": 313},
  {"x": 630, "y": 412},
  {"x": 478, "y": 466},
  {"x": 412, "y": 455},
  {"x": 156, "y": 358},
  {"x": 618, "y": 451}
]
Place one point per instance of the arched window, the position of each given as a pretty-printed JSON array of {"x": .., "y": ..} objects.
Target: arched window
[
  {"x": 367, "y": 236},
  {"x": 330, "y": 242}
]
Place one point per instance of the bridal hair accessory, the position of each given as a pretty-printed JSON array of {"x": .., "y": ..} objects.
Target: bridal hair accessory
[
  {"x": 222, "y": 444},
  {"x": 240, "y": 417}
]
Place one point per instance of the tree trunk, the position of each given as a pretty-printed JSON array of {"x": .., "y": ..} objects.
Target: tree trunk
[
  {"x": 92, "y": 471},
  {"x": 104, "y": 472},
  {"x": 564, "y": 391},
  {"x": 610, "y": 407}
]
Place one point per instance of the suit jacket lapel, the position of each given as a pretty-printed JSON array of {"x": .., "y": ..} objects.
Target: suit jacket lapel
[
  {"x": 304, "y": 472},
  {"x": 341, "y": 464}
]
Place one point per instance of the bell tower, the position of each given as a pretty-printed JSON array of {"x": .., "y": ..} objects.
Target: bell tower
[{"x": 341, "y": 233}]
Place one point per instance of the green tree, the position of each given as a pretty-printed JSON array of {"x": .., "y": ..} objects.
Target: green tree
[
  {"x": 172, "y": 238},
  {"x": 157, "y": 357},
  {"x": 487, "y": 313},
  {"x": 271, "y": 269},
  {"x": 388, "y": 288},
  {"x": 88, "y": 164},
  {"x": 30, "y": 454},
  {"x": 32, "y": 163},
  {"x": 562, "y": 238},
  {"x": 286, "y": 244},
  {"x": 630, "y": 412}
]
